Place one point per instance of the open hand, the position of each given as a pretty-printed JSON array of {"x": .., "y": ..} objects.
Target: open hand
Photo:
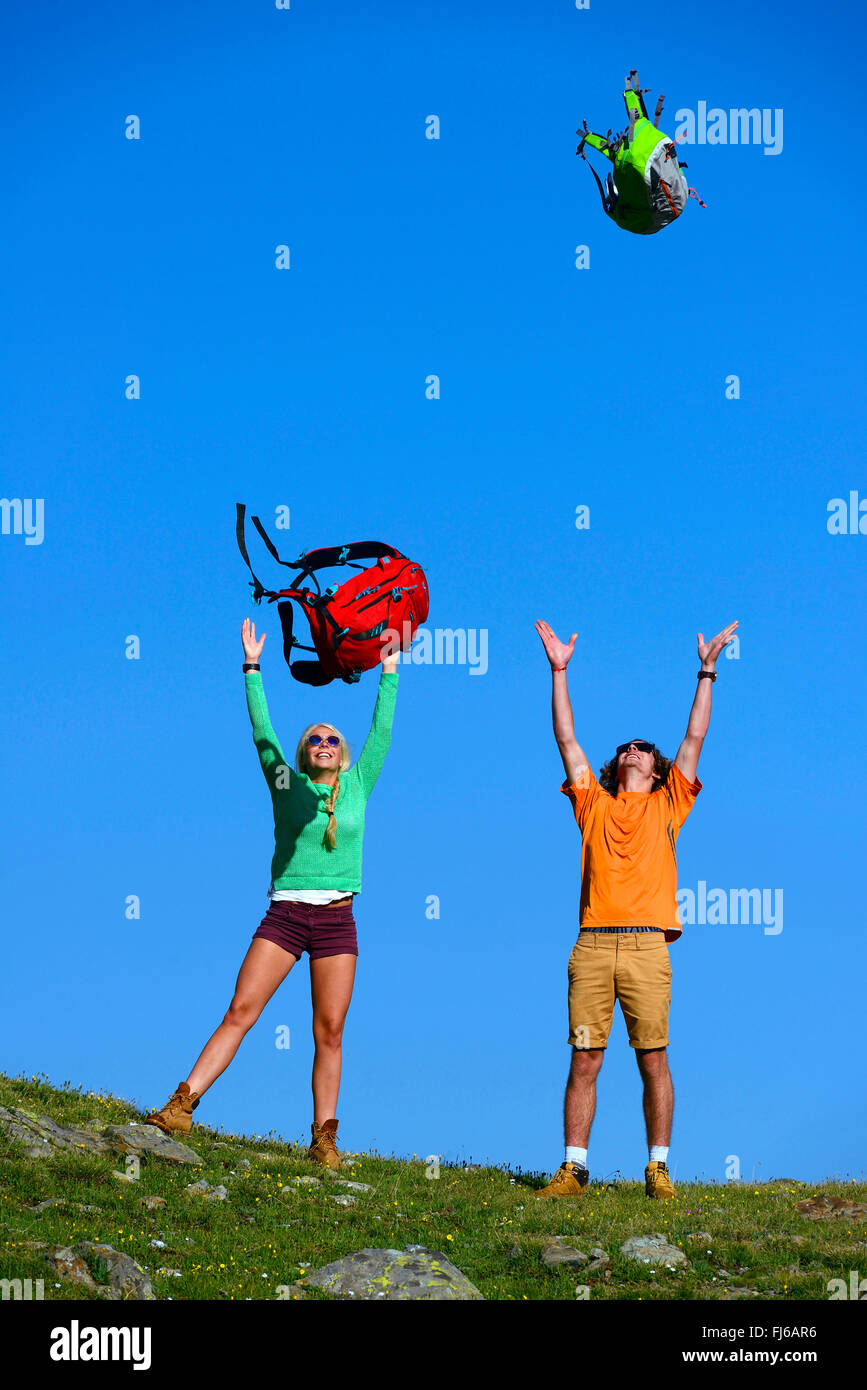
[
  {"x": 252, "y": 646},
  {"x": 709, "y": 651},
  {"x": 557, "y": 652}
]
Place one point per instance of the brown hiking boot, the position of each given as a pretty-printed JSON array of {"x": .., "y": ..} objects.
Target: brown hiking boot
[
  {"x": 323, "y": 1147},
  {"x": 568, "y": 1181},
  {"x": 176, "y": 1116},
  {"x": 657, "y": 1183}
]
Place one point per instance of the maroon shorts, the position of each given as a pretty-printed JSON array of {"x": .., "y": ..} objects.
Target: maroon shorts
[{"x": 300, "y": 927}]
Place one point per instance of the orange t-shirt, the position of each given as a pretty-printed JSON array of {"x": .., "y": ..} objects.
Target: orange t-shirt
[{"x": 628, "y": 860}]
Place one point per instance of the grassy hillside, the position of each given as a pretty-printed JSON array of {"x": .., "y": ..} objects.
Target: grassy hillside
[{"x": 272, "y": 1228}]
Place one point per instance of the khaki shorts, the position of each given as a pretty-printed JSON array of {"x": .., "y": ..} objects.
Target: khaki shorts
[{"x": 633, "y": 968}]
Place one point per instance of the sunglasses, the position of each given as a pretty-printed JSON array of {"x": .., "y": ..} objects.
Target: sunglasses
[
  {"x": 636, "y": 743},
  {"x": 332, "y": 740}
]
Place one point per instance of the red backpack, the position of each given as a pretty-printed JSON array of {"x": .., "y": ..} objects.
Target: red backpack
[{"x": 346, "y": 620}]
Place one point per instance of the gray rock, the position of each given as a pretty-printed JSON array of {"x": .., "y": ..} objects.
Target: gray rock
[
  {"x": 123, "y": 1177},
  {"x": 704, "y": 1236},
  {"x": 204, "y": 1189},
  {"x": 309, "y": 1182},
  {"x": 69, "y": 1265},
  {"x": 243, "y": 1165},
  {"x": 598, "y": 1259},
  {"x": 41, "y": 1137},
  {"x": 653, "y": 1250},
  {"x": 127, "y": 1280},
  {"x": 342, "y": 1200},
  {"x": 151, "y": 1203},
  {"x": 557, "y": 1253},
  {"x": 49, "y": 1202},
  {"x": 148, "y": 1141},
  {"x": 353, "y": 1186},
  {"x": 412, "y": 1273}
]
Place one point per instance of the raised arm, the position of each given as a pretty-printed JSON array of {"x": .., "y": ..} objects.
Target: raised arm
[
  {"x": 559, "y": 654},
  {"x": 699, "y": 715},
  {"x": 264, "y": 737},
  {"x": 377, "y": 743}
]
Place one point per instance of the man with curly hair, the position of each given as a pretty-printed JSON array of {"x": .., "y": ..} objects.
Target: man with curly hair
[{"x": 629, "y": 822}]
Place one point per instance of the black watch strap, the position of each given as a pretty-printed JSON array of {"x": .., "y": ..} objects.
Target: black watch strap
[
  {"x": 250, "y": 666},
  {"x": 710, "y": 675}
]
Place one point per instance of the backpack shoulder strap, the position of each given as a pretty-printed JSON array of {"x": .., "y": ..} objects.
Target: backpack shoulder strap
[
  {"x": 291, "y": 564},
  {"x": 311, "y": 561},
  {"x": 346, "y": 554},
  {"x": 258, "y": 587}
]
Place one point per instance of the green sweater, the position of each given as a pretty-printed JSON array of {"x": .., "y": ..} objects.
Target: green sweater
[{"x": 301, "y": 859}]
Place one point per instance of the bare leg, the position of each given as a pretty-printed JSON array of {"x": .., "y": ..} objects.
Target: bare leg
[
  {"x": 658, "y": 1094},
  {"x": 331, "y": 981},
  {"x": 263, "y": 970},
  {"x": 580, "y": 1103}
]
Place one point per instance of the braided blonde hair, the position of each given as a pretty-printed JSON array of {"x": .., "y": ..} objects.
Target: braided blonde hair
[{"x": 330, "y": 836}]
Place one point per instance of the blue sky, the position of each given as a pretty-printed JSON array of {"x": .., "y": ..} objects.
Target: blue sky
[{"x": 559, "y": 387}]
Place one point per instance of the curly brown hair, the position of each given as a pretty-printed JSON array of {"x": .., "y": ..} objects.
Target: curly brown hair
[{"x": 610, "y": 782}]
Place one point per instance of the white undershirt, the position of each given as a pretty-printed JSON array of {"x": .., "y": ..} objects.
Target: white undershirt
[{"x": 316, "y": 896}]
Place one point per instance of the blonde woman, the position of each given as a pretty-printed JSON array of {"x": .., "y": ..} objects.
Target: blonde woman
[{"x": 315, "y": 872}]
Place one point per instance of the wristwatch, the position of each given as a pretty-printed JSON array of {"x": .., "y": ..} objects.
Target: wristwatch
[
  {"x": 250, "y": 666},
  {"x": 711, "y": 675}
]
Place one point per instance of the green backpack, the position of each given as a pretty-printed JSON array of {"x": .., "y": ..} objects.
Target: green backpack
[{"x": 646, "y": 189}]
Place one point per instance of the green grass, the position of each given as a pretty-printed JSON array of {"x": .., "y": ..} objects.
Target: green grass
[{"x": 271, "y": 1231}]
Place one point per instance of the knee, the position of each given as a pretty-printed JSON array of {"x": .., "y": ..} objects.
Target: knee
[
  {"x": 241, "y": 1013},
  {"x": 653, "y": 1063},
  {"x": 586, "y": 1062},
  {"x": 328, "y": 1033}
]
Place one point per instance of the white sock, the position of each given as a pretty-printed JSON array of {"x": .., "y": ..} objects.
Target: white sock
[
  {"x": 575, "y": 1155},
  {"x": 658, "y": 1153}
]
